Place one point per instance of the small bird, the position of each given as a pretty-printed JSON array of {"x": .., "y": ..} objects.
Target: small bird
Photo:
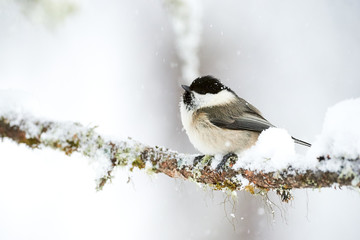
[{"x": 217, "y": 121}]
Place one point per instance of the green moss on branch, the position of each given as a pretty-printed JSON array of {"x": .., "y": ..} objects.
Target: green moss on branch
[{"x": 72, "y": 137}]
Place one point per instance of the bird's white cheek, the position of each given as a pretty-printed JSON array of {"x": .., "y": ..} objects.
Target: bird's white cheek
[{"x": 210, "y": 100}]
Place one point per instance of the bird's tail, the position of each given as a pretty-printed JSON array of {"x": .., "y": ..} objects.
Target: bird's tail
[{"x": 298, "y": 141}]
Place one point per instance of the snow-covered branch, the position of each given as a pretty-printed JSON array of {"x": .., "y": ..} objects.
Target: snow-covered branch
[{"x": 108, "y": 154}]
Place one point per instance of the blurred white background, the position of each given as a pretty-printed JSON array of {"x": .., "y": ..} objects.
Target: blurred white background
[{"x": 114, "y": 64}]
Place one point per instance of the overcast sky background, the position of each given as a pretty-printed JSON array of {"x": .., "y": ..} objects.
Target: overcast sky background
[{"x": 114, "y": 64}]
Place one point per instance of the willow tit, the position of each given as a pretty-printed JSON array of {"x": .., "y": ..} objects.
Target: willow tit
[{"x": 217, "y": 121}]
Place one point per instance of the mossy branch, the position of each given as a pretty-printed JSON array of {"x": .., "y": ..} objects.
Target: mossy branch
[{"x": 73, "y": 137}]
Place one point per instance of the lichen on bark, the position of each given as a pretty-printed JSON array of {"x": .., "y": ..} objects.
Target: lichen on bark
[{"x": 73, "y": 137}]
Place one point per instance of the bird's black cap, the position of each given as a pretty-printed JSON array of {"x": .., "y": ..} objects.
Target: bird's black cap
[{"x": 207, "y": 84}]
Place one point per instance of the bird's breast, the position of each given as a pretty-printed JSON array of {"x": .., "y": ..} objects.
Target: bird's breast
[{"x": 210, "y": 139}]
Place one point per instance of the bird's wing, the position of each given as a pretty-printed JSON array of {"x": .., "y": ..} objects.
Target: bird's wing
[
  {"x": 241, "y": 124},
  {"x": 245, "y": 117}
]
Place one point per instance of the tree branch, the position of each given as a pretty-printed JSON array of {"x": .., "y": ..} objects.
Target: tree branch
[{"x": 73, "y": 137}]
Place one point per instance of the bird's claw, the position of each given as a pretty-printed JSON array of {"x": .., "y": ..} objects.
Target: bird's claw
[
  {"x": 228, "y": 161},
  {"x": 197, "y": 159}
]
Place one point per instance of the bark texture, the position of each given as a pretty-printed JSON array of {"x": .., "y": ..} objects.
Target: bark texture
[{"x": 72, "y": 137}]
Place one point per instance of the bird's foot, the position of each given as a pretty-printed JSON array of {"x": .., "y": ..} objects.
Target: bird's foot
[
  {"x": 228, "y": 161},
  {"x": 198, "y": 159}
]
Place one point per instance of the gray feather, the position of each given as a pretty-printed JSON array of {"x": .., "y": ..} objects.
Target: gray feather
[
  {"x": 239, "y": 115},
  {"x": 241, "y": 124},
  {"x": 301, "y": 142}
]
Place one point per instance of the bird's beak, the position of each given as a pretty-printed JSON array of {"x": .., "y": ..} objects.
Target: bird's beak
[{"x": 186, "y": 88}]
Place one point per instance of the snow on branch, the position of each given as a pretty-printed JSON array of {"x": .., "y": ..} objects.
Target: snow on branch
[{"x": 326, "y": 170}]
